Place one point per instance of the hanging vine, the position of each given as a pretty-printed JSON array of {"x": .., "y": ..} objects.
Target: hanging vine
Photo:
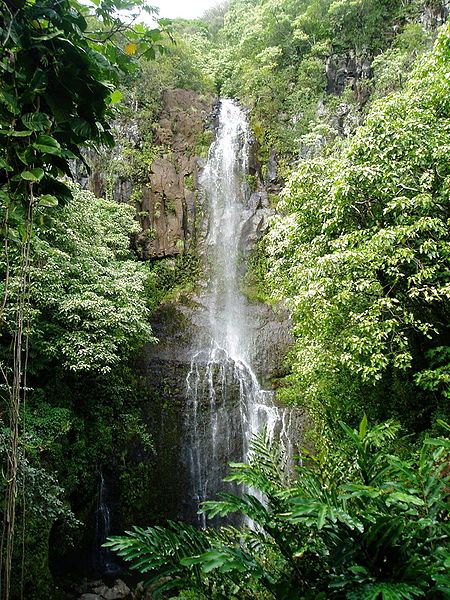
[{"x": 17, "y": 391}]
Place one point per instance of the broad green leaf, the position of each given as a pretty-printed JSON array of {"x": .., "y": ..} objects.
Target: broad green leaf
[
  {"x": 48, "y": 201},
  {"x": 34, "y": 175},
  {"x": 116, "y": 96},
  {"x": 26, "y": 156},
  {"x": 404, "y": 498},
  {"x": 47, "y": 144},
  {"x": 14, "y": 133},
  {"x": 10, "y": 101},
  {"x": 36, "y": 121}
]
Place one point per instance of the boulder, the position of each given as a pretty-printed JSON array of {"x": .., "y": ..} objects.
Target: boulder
[
  {"x": 119, "y": 591},
  {"x": 100, "y": 591}
]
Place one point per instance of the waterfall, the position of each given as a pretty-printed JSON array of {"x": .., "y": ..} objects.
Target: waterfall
[
  {"x": 226, "y": 404},
  {"x": 103, "y": 559}
]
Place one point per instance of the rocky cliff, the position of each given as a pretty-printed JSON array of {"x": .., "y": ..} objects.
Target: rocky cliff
[
  {"x": 168, "y": 203},
  {"x": 182, "y": 327},
  {"x": 155, "y": 167}
]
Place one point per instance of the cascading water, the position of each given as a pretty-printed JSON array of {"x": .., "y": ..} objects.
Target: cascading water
[
  {"x": 226, "y": 404},
  {"x": 103, "y": 559}
]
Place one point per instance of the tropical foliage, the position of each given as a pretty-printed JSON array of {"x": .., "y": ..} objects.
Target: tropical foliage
[
  {"x": 291, "y": 60},
  {"x": 365, "y": 521},
  {"x": 87, "y": 300},
  {"x": 59, "y": 66},
  {"x": 358, "y": 252},
  {"x": 361, "y": 249}
]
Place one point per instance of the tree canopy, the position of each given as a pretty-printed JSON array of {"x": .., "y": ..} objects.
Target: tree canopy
[{"x": 361, "y": 249}]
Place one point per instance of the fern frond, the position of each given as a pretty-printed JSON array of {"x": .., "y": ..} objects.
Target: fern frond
[
  {"x": 159, "y": 550},
  {"x": 227, "y": 504},
  {"x": 313, "y": 513},
  {"x": 385, "y": 591}
]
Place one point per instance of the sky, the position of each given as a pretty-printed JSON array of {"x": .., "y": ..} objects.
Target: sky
[{"x": 188, "y": 9}]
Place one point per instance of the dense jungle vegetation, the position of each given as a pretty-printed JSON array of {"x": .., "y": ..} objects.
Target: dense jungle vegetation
[{"x": 350, "y": 107}]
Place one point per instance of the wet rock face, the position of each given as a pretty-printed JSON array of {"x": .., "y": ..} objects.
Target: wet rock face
[
  {"x": 435, "y": 14},
  {"x": 270, "y": 340},
  {"x": 203, "y": 399},
  {"x": 181, "y": 328},
  {"x": 168, "y": 203},
  {"x": 348, "y": 70}
]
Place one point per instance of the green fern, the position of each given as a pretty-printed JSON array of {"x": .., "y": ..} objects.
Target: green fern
[
  {"x": 246, "y": 505},
  {"x": 159, "y": 551},
  {"x": 266, "y": 470},
  {"x": 386, "y": 591}
]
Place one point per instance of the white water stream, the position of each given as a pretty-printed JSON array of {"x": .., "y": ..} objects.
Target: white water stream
[{"x": 226, "y": 404}]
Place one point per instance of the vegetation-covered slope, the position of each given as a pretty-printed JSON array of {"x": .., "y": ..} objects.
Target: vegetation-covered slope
[
  {"x": 72, "y": 296},
  {"x": 303, "y": 64},
  {"x": 361, "y": 251},
  {"x": 350, "y": 106}
]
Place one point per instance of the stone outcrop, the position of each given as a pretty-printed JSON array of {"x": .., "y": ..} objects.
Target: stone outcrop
[
  {"x": 98, "y": 590},
  {"x": 434, "y": 14},
  {"x": 168, "y": 203},
  {"x": 349, "y": 71},
  {"x": 161, "y": 179}
]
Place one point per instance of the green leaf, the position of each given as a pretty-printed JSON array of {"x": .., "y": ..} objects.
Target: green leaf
[
  {"x": 34, "y": 175},
  {"x": 47, "y": 144},
  {"x": 322, "y": 516},
  {"x": 443, "y": 424},
  {"x": 26, "y": 156},
  {"x": 116, "y": 96},
  {"x": 14, "y": 133},
  {"x": 363, "y": 427},
  {"x": 4, "y": 165},
  {"x": 10, "y": 102},
  {"x": 36, "y": 121},
  {"x": 48, "y": 201},
  {"x": 48, "y": 36},
  {"x": 404, "y": 498},
  {"x": 68, "y": 154}
]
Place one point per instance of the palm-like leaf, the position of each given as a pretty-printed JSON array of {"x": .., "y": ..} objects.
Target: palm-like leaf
[
  {"x": 369, "y": 525},
  {"x": 159, "y": 551},
  {"x": 266, "y": 470}
]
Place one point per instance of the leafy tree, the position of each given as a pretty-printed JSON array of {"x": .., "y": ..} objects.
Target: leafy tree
[
  {"x": 58, "y": 68},
  {"x": 393, "y": 68},
  {"x": 359, "y": 24},
  {"x": 87, "y": 299},
  {"x": 362, "y": 248}
]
